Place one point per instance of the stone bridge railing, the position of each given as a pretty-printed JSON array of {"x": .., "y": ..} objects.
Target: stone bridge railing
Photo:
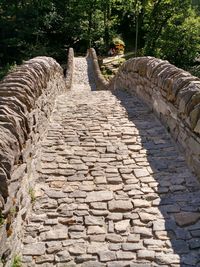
[
  {"x": 27, "y": 97},
  {"x": 26, "y": 100},
  {"x": 100, "y": 81},
  {"x": 172, "y": 93}
]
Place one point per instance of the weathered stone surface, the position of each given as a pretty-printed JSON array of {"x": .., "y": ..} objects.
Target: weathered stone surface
[
  {"x": 114, "y": 238},
  {"x": 56, "y": 235},
  {"x": 27, "y": 99},
  {"x": 35, "y": 249},
  {"x": 186, "y": 218},
  {"x": 125, "y": 255},
  {"x": 62, "y": 256},
  {"x": 122, "y": 226},
  {"x": 141, "y": 203},
  {"x": 111, "y": 181},
  {"x": 146, "y": 254},
  {"x": 77, "y": 249},
  {"x": 106, "y": 256},
  {"x": 92, "y": 220},
  {"x": 167, "y": 259},
  {"x": 93, "y": 264},
  {"x": 141, "y": 173},
  {"x": 44, "y": 259},
  {"x": 97, "y": 196},
  {"x": 95, "y": 230},
  {"x": 144, "y": 231},
  {"x": 120, "y": 205},
  {"x": 171, "y": 92},
  {"x": 195, "y": 243},
  {"x": 132, "y": 246}
]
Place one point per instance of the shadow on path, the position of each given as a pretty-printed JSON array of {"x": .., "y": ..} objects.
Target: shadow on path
[{"x": 176, "y": 191}]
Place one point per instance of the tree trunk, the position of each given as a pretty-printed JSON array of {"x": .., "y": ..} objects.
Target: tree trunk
[
  {"x": 136, "y": 35},
  {"x": 107, "y": 14}
]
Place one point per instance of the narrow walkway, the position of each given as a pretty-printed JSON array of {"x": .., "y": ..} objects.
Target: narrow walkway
[{"x": 113, "y": 189}]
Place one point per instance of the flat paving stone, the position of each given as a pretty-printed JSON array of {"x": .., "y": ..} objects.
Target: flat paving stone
[
  {"x": 112, "y": 188},
  {"x": 97, "y": 196}
]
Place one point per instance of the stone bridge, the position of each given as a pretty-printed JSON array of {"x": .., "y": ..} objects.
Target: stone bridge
[{"x": 98, "y": 174}]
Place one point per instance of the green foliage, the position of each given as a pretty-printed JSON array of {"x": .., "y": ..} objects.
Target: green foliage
[
  {"x": 194, "y": 70},
  {"x": 180, "y": 41},
  {"x": 17, "y": 261},
  {"x": 158, "y": 15},
  {"x": 1, "y": 218},
  {"x": 165, "y": 28},
  {"x": 13, "y": 211},
  {"x": 118, "y": 40},
  {"x": 32, "y": 195},
  {"x": 8, "y": 67}
]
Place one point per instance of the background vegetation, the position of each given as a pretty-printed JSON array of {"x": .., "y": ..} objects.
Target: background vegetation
[{"x": 163, "y": 28}]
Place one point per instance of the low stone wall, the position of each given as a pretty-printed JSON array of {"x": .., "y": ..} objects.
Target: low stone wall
[
  {"x": 27, "y": 97},
  {"x": 101, "y": 83},
  {"x": 174, "y": 95}
]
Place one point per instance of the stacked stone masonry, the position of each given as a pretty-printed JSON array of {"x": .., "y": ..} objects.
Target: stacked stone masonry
[
  {"x": 172, "y": 93},
  {"x": 27, "y": 96},
  {"x": 112, "y": 188},
  {"x": 98, "y": 181}
]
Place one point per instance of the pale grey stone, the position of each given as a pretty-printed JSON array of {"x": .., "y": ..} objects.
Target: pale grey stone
[
  {"x": 95, "y": 230},
  {"x": 122, "y": 225},
  {"x": 133, "y": 238},
  {"x": 125, "y": 255},
  {"x": 106, "y": 256},
  {"x": 120, "y": 205},
  {"x": 141, "y": 172},
  {"x": 146, "y": 254},
  {"x": 35, "y": 249},
  {"x": 63, "y": 256},
  {"x": 114, "y": 238},
  {"x": 143, "y": 231},
  {"x": 92, "y": 220},
  {"x": 115, "y": 216},
  {"x": 44, "y": 258},
  {"x": 132, "y": 246},
  {"x": 97, "y": 196},
  {"x": 77, "y": 249},
  {"x": 98, "y": 205},
  {"x": 141, "y": 203},
  {"x": 56, "y": 235},
  {"x": 162, "y": 258},
  {"x": 97, "y": 238}
]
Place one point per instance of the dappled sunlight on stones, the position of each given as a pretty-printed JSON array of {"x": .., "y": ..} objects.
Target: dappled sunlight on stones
[{"x": 115, "y": 186}]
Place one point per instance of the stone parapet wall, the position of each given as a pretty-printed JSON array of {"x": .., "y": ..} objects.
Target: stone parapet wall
[
  {"x": 173, "y": 94},
  {"x": 100, "y": 81},
  {"x": 27, "y": 97}
]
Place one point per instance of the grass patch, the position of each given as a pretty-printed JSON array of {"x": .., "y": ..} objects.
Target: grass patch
[
  {"x": 17, "y": 261},
  {"x": 32, "y": 194},
  {"x": 2, "y": 220}
]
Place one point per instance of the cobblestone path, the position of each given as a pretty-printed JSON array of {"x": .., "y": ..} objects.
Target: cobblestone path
[{"x": 113, "y": 189}]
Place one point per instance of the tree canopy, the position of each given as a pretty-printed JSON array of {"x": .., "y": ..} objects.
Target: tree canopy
[{"x": 164, "y": 28}]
